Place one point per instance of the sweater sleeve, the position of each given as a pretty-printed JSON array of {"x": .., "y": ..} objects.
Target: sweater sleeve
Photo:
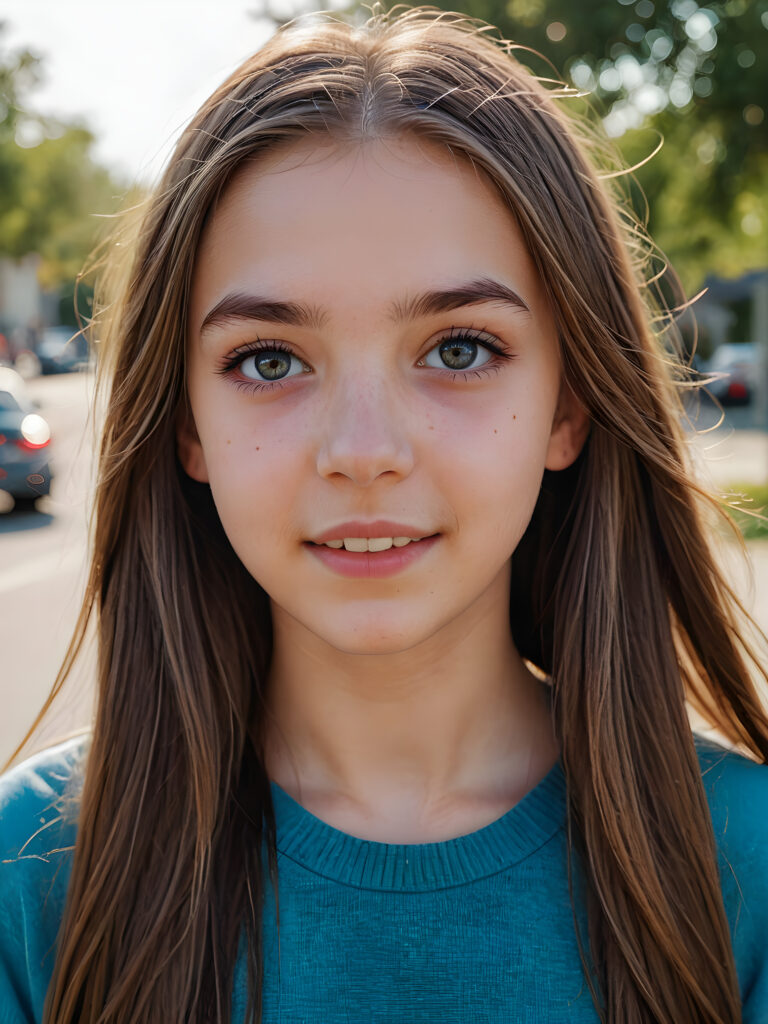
[
  {"x": 36, "y": 840},
  {"x": 16, "y": 989},
  {"x": 737, "y": 790}
]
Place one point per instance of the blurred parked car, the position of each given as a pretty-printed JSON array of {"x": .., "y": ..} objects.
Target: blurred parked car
[
  {"x": 739, "y": 365},
  {"x": 24, "y": 442},
  {"x": 61, "y": 349}
]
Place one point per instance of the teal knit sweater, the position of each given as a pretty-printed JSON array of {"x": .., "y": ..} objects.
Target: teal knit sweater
[{"x": 471, "y": 930}]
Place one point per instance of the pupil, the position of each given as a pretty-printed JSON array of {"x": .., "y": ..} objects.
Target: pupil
[
  {"x": 274, "y": 365},
  {"x": 458, "y": 354}
]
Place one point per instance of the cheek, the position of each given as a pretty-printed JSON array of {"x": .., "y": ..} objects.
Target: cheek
[
  {"x": 493, "y": 464},
  {"x": 254, "y": 497},
  {"x": 242, "y": 468},
  {"x": 252, "y": 473},
  {"x": 491, "y": 441}
]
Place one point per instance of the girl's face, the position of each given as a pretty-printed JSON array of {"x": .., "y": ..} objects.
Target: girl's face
[{"x": 368, "y": 340}]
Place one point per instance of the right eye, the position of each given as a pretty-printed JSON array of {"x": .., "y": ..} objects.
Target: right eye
[
  {"x": 260, "y": 364},
  {"x": 270, "y": 363}
]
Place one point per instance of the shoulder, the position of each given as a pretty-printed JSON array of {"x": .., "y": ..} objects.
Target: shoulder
[
  {"x": 737, "y": 793},
  {"x": 38, "y": 815},
  {"x": 38, "y": 801}
]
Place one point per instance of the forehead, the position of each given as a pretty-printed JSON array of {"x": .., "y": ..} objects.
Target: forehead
[
  {"x": 325, "y": 221},
  {"x": 408, "y": 158},
  {"x": 392, "y": 164}
]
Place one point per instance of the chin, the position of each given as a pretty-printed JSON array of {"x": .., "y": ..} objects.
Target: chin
[{"x": 374, "y": 639}]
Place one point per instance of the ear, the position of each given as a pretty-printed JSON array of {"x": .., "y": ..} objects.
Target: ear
[
  {"x": 570, "y": 429},
  {"x": 188, "y": 446}
]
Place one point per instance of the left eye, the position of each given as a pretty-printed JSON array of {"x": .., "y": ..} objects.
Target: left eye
[
  {"x": 457, "y": 354},
  {"x": 270, "y": 364}
]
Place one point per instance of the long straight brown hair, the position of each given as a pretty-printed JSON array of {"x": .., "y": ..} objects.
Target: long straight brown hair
[{"x": 616, "y": 593}]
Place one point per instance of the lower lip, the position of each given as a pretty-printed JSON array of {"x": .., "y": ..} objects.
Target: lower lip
[{"x": 375, "y": 565}]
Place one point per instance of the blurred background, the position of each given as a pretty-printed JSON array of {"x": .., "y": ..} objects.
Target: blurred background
[{"x": 92, "y": 98}]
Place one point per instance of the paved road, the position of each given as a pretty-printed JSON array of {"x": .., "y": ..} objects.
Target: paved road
[
  {"x": 42, "y": 556},
  {"x": 729, "y": 450},
  {"x": 42, "y": 567}
]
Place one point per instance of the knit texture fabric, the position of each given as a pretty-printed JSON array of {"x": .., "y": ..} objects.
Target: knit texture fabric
[{"x": 474, "y": 929}]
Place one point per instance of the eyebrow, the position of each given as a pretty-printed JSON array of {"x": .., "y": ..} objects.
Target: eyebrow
[{"x": 240, "y": 306}]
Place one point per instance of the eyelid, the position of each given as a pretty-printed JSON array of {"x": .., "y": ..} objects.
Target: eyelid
[
  {"x": 237, "y": 355},
  {"x": 478, "y": 334}
]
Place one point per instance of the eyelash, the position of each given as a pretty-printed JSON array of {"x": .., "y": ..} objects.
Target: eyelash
[{"x": 230, "y": 362}]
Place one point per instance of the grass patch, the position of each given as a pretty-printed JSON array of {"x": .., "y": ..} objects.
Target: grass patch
[{"x": 755, "y": 498}]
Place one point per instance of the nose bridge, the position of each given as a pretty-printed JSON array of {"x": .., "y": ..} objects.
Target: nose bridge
[{"x": 364, "y": 429}]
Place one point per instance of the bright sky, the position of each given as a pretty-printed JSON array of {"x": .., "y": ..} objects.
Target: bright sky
[{"x": 135, "y": 70}]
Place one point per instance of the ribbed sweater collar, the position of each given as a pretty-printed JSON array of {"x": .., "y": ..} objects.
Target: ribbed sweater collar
[{"x": 421, "y": 867}]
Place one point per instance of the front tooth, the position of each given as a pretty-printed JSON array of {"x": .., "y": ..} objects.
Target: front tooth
[
  {"x": 356, "y": 543},
  {"x": 379, "y": 543},
  {"x": 374, "y": 544},
  {"x": 334, "y": 543}
]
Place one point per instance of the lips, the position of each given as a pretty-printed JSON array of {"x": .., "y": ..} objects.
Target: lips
[{"x": 372, "y": 564}]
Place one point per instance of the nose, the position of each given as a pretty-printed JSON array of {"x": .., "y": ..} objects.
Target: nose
[{"x": 365, "y": 433}]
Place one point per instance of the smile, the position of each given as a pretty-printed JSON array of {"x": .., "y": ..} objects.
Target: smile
[
  {"x": 371, "y": 543},
  {"x": 371, "y": 557}
]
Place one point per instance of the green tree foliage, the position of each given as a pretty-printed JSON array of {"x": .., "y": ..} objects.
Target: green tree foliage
[
  {"x": 694, "y": 74},
  {"x": 52, "y": 191},
  {"x": 60, "y": 194},
  {"x": 18, "y": 72}
]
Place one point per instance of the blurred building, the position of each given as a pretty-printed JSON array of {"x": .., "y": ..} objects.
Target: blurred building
[
  {"x": 24, "y": 307},
  {"x": 731, "y": 310},
  {"x": 21, "y": 298}
]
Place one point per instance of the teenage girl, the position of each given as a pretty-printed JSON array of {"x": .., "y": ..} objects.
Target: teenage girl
[{"x": 402, "y": 583}]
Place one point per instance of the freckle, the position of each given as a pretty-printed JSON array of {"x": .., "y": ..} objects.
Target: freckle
[
  {"x": 258, "y": 448},
  {"x": 514, "y": 417},
  {"x": 228, "y": 441},
  {"x": 495, "y": 431}
]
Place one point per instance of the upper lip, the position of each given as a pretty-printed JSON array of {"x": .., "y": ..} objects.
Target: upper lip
[{"x": 379, "y": 528}]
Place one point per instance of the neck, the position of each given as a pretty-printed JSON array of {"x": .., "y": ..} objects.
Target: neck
[{"x": 409, "y": 734}]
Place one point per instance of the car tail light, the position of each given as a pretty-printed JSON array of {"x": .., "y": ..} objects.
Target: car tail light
[
  {"x": 27, "y": 446},
  {"x": 35, "y": 432}
]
